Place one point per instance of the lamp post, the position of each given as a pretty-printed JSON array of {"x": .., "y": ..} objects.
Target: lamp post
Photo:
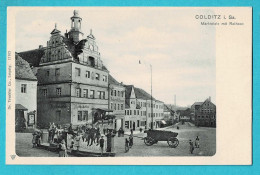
[
  {"x": 151, "y": 69},
  {"x": 151, "y": 94}
]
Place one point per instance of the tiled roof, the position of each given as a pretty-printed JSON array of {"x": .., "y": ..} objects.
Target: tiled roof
[
  {"x": 23, "y": 70},
  {"x": 111, "y": 80},
  {"x": 141, "y": 94},
  {"x": 33, "y": 57},
  {"x": 128, "y": 89},
  {"x": 198, "y": 103}
]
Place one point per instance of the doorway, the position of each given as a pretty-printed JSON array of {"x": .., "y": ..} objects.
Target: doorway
[{"x": 133, "y": 126}]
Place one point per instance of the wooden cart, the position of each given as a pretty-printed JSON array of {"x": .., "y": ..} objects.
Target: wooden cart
[{"x": 153, "y": 136}]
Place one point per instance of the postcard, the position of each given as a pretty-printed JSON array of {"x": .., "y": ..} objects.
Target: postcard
[{"x": 129, "y": 85}]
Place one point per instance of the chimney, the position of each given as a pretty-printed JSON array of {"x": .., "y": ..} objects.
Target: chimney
[
  {"x": 210, "y": 98},
  {"x": 40, "y": 46}
]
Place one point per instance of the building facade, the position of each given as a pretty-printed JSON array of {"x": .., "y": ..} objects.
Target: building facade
[
  {"x": 138, "y": 110},
  {"x": 72, "y": 80},
  {"x": 116, "y": 101},
  {"x": 204, "y": 113},
  {"x": 25, "y": 93}
]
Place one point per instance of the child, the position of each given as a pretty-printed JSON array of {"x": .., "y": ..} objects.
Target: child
[
  {"x": 197, "y": 142},
  {"x": 62, "y": 149},
  {"x": 191, "y": 147},
  {"x": 126, "y": 145}
]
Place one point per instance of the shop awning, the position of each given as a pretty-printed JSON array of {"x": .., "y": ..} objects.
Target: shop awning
[
  {"x": 163, "y": 122},
  {"x": 20, "y": 107}
]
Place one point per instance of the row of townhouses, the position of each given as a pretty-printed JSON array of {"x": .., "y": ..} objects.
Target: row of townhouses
[
  {"x": 67, "y": 82},
  {"x": 200, "y": 114}
]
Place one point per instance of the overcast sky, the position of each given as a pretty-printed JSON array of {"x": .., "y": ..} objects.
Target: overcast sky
[{"x": 180, "y": 50}]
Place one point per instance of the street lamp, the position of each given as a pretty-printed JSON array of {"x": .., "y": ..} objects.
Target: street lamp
[{"x": 151, "y": 68}]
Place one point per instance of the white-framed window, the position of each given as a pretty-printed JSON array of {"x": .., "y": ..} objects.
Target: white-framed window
[
  {"x": 85, "y": 115},
  {"x": 104, "y": 78},
  {"x": 80, "y": 118},
  {"x": 77, "y": 72},
  {"x": 78, "y": 92},
  {"x": 92, "y": 94},
  {"x": 23, "y": 88},
  {"x": 97, "y": 76},
  {"x": 87, "y": 74},
  {"x": 85, "y": 93},
  {"x": 122, "y": 106},
  {"x": 58, "y": 91},
  {"x": 111, "y": 106}
]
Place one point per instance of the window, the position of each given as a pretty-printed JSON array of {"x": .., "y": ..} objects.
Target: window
[
  {"x": 79, "y": 115},
  {"x": 58, "y": 91},
  {"x": 101, "y": 94},
  {"x": 127, "y": 112},
  {"x": 138, "y": 123},
  {"x": 122, "y": 106},
  {"x": 92, "y": 94},
  {"x": 138, "y": 112},
  {"x": 47, "y": 73},
  {"x": 97, "y": 76},
  {"x": 130, "y": 112},
  {"x": 122, "y": 93},
  {"x": 57, "y": 72},
  {"x": 111, "y": 106},
  {"x": 111, "y": 92},
  {"x": 115, "y": 107},
  {"x": 44, "y": 92},
  {"x": 115, "y": 93},
  {"x": 58, "y": 115},
  {"x": 118, "y": 106},
  {"x": 77, "y": 71},
  {"x": 87, "y": 74},
  {"x": 78, "y": 92},
  {"x": 85, "y": 93},
  {"x": 23, "y": 88},
  {"x": 85, "y": 115},
  {"x": 127, "y": 124},
  {"x": 104, "y": 78},
  {"x": 118, "y": 93},
  {"x": 134, "y": 112}
]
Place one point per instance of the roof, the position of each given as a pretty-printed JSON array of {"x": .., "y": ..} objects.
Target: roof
[
  {"x": 198, "y": 103},
  {"x": 20, "y": 107},
  {"x": 186, "y": 112},
  {"x": 23, "y": 69},
  {"x": 55, "y": 31},
  {"x": 33, "y": 57},
  {"x": 141, "y": 94},
  {"x": 112, "y": 80},
  {"x": 128, "y": 89}
]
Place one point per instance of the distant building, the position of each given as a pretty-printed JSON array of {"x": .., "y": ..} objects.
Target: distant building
[
  {"x": 204, "y": 113},
  {"x": 116, "y": 101},
  {"x": 185, "y": 115},
  {"x": 25, "y": 93},
  {"x": 168, "y": 115},
  {"x": 138, "y": 109},
  {"x": 72, "y": 80}
]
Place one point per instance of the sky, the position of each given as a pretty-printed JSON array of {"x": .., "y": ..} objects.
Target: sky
[{"x": 180, "y": 50}]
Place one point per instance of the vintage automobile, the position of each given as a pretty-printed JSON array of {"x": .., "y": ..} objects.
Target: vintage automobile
[{"x": 153, "y": 136}]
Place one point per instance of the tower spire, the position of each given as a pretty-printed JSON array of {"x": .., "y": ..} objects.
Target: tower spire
[{"x": 55, "y": 25}]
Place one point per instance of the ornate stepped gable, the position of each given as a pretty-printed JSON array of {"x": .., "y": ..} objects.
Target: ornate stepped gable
[{"x": 71, "y": 47}]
